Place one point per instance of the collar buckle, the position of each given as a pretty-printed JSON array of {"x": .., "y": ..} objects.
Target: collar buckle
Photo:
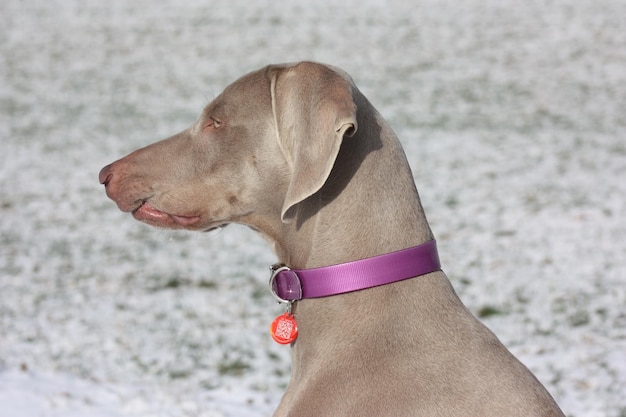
[{"x": 285, "y": 284}]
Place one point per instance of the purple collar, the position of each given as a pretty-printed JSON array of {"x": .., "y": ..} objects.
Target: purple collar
[{"x": 289, "y": 285}]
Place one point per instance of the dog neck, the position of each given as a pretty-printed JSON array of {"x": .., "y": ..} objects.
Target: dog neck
[
  {"x": 369, "y": 206},
  {"x": 354, "y": 216}
]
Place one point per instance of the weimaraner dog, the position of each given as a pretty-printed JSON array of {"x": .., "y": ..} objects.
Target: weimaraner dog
[{"x": 297, "y": 153}]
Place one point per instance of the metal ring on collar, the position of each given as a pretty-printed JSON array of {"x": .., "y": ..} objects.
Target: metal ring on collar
[{"x": 285, "y": 281}]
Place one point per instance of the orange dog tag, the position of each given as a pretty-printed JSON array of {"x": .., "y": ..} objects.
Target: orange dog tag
[{"x": 284, "y": 329}]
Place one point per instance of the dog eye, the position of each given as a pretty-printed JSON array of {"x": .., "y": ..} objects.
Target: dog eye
[{"x": 214, "y": 123}]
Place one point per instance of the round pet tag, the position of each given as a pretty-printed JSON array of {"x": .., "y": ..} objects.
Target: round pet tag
[{"x": 284, "y": 329}]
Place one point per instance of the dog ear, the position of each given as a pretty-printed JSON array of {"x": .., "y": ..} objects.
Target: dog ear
[{"x": 313, "y": 111}]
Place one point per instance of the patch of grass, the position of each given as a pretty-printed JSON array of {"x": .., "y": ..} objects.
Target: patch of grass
[
  {"x": 179, "y": 373},
  {"x": 232, "y": 367},
  {"x": 579, "y": 318},
  {"x": 259, "y": 292},
  {"x": 172, "y": 283},
  {"x": 207, "y": 284},
  {"x": 465, "y": 281},
  {"x": 451, "y": 202},
  {"x": 489, "y": 311},
  {"x": 175, "y": 282}
]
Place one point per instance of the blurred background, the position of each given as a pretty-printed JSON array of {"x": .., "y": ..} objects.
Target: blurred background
[{"x": 512, "y": 115}]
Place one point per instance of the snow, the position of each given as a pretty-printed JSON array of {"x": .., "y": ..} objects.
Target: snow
[{"x": 512, "y": 116}]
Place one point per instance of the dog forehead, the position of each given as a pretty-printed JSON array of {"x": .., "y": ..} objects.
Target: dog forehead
[
  {"x": 249, "y": 93},
  {"x": 249, "y": 84}
]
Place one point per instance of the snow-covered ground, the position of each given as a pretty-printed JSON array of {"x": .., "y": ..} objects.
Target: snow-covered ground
[{"x": 513, "y": 115}]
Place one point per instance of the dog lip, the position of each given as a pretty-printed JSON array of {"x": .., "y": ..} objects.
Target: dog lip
[
  {"x": 147, "y": 213},
  {"x": 185, "y": 220},
  {"x": 217, "y": 227}
]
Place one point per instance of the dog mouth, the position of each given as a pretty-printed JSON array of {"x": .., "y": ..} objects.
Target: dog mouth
[
  {"x": 146, "y": 213},
  {"x": 214, "y": 228}
]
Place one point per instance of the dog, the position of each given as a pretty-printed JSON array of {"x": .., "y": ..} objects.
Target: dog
[{"x": 298, "y": 153}]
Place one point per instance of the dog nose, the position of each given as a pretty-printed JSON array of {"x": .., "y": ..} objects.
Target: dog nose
[{"x": 105, "y": 175}]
